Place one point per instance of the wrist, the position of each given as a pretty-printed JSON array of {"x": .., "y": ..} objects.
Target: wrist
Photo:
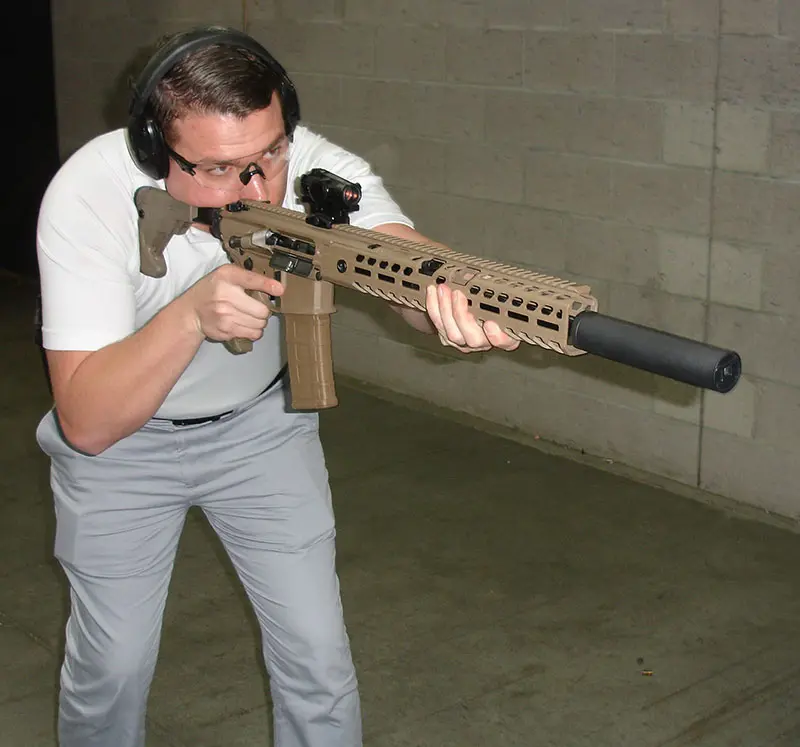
[{"x": 188, "y": 319}]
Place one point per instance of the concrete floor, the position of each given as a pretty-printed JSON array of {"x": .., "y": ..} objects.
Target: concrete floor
[{"x": 495, "y": 595}]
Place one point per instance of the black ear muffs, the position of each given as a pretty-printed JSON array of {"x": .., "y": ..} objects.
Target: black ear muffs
[
  {"x": 147, "y": 147},
  {"x": 144, "y": 135}
]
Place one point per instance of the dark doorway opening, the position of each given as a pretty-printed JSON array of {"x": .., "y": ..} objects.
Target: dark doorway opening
[{"x": 31, "y": 129}]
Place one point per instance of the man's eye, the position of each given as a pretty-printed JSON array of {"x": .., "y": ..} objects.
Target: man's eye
[
  {"x": 275, "y": 150},
  {"x": 217, "y": 170}
]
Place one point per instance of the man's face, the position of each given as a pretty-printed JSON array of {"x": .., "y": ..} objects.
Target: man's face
[{"x": 223, "y": 146}]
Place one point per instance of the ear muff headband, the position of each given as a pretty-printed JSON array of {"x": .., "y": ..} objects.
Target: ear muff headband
[{"x": 145, "y": 137}]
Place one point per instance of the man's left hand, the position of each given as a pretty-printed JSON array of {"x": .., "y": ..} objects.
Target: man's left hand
[
  {"x": 457, "y": 327},
  {"x": 448, "y": 311}
]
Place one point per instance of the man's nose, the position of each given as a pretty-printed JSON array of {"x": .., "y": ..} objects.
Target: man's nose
[{"x": 256, "y": 189}]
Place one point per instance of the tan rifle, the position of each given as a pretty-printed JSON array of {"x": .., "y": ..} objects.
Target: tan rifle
[{"x": 313, "y": 252}]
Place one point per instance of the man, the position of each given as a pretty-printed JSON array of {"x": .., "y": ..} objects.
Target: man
[{"x": 153, "y": 415}]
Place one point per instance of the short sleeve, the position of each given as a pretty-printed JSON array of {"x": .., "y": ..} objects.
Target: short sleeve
[
  {"x": 377, "y": 206},
  {"x": 85, "y": 236}
]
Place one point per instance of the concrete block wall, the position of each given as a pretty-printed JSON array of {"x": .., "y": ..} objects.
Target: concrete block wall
[
  {"x": 650, "y": 148},
  {"x": 97, "y": 44}
]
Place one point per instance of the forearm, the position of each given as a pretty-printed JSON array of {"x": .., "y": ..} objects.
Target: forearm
[{"x": 115, "y": 390}]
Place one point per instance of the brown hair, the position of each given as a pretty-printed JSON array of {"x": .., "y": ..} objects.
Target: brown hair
[{"x": 218, "y": 79}]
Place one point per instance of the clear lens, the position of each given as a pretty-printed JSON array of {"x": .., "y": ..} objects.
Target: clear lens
[{"x": 228, "y": 178}]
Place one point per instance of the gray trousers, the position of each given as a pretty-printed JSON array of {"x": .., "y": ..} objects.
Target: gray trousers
[{"x": 259, "y": 476}]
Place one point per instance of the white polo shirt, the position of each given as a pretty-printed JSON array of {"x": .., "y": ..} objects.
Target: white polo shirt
[{"x": 93, "y": 293}]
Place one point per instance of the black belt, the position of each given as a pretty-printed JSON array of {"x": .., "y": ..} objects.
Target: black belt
[
  {"x": 199, "y": 421},
  {"x": 214, "y": 418}
]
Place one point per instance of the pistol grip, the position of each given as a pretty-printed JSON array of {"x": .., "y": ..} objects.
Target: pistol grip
[
  {"x": 308, "y": 349},
  {"x": 239, "y": 345}
]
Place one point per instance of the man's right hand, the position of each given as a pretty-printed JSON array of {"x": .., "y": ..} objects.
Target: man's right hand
[{"x": 223, "y": 309}]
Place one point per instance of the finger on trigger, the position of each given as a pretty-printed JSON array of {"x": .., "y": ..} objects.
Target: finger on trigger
[
  {"x": 257, "y": 281},
  {"x": 273, "y": 286}
]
